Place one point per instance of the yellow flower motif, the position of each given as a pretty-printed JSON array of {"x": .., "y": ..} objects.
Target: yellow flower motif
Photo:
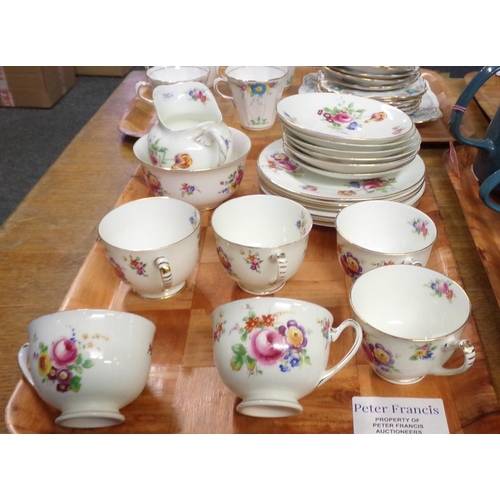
[
  {"x": 44, "y": 365},
  {"x": 381, "y": 355},
  {"x": 294, "y": 336}
]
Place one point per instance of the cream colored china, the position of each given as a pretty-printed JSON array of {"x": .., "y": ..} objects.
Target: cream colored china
[
  {"x": 333, "y": 169},
  {"x": 166, "y": 75},
  {"x": 205, "y": 189},
  {"x": 275, "y": 166},
  {"x": 190, "y": 133},
  {"x": 378, "y": 233},
  {"x": 412, "y": 320},
  {"x": 353, "y": 154},
  {"x": 88, "y": 363},
  {"x": 261, "y": 240},
  {"x": 152, "y": 244},
  {"x": 271, "y": 352},
  {"x": 349, "y": 118},
  {"x": 255, "y": 91}
]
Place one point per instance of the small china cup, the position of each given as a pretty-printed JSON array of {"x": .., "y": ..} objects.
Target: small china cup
[
  {"x": 205, "y": 189},
  {"x": 271, "y": 352},
  {"x": 152, "y": 244},
  {"x": 88, "y": 363},
  {"x": 261, "y": 240},
  {"x": 412, "y": 320},
  {"x": 166, "y": 75},
  {"x": 376, "y": 233},
  {"x": 255, "y": 92}
]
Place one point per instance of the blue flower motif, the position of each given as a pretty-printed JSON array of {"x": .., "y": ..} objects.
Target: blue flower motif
[
  {"x": 258, "y": 88},
  {"x": 352, "y": 126}
]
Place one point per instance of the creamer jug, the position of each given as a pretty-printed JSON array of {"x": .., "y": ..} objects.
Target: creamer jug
[{"x": 189, "y": 133}]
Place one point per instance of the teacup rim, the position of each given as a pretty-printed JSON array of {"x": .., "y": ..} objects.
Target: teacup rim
[{"x": 410, "y": 269}]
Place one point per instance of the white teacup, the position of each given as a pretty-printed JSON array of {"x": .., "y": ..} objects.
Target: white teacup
[
  {"x": 256, "y": 90},
  {"x": 271, "y": 352},
  {"x": 376, "y": 233},
  {"x": 166, "y": 75},
  {"x": 261, "y": 240},
  {"x": 152, "y": 244},
  {"x": 412, "y": 320},
  {"x": 88, "y": 363}
]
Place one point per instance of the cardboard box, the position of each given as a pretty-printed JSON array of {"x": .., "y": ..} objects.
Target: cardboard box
[
  {"x": 103, "y": 70},
  {"x": 34, "y": 86}
]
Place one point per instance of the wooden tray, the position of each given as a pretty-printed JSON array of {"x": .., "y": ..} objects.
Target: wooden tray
[
  {"x": 488, "y": 96},
  {"x": 184, "y": 393}
]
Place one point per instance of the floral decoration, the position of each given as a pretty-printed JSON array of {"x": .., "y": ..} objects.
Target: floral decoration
[
  {"x": 226, "y": 262},
  {"x": 137, "y": 265},
  {"x": 372, "y": 185},
  {"x": 63, "y": 362},
  {"x": 343, "y": 117},
  {"x": 420, "y": 227},
  {"x": 441, "y": 288},
  {"x": 233, "y": 181},
  {"x": 154, "y": 183},
  {"x": 253, "y": 260},
  {"x": 424, "y": 351},
  {"x": 264, "y": 341},
  {"x": 349, "y": 263},
  {"x": 378, "y": 355},
  {"x": 257, "y": 89},
  {"x": 198, "y": 95},
  {"x": 302, "y": 224},
  {"x": 188, "y": 190}
]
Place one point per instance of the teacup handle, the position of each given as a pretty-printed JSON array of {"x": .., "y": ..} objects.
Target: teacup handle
[
  {"x": 333, "y": 336},
  {"x": 165, "y": 272},
  {"x": 282, "y": 263},
  {"x": 139, "y": 86},
  {"x": 216, "y": 83},
  {"x": 469, "y": 354},
  {"x": 22, "y": 359},
  {"x": 487, "y": 186},
  {"x": 410, "y": 262}
]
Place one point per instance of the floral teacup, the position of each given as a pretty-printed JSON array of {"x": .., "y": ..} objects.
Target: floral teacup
[
  {"x": 376, "y": 233},
  {"x": 271, "y": 352},
  {"x": 256, "y": 90},
  {"x": 261, "y": 240},
  {"x": 412, "y": 320},
  {"x": 88, "y": 363}
]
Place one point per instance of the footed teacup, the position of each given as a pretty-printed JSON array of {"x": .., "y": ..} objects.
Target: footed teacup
[
  {"x": 271, "y": 352},
  {"x": 88, "y": 363}
]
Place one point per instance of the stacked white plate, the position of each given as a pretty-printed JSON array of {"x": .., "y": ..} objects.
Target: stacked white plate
[
  {"x": 325, "y": 196},
  {"x": 399, "y": 86},
  {"x": 345, "y": 136}
]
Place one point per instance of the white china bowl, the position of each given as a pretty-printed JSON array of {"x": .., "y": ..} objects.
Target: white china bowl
[
  {"x": 271, "y": 352},
  {"x": 376, "y": 233},
  {"x": 88, "y": 363},
  {"x": 205, "y": 189}
]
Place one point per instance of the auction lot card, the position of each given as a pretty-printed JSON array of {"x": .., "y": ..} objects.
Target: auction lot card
[{"x": 399, "y": 416}]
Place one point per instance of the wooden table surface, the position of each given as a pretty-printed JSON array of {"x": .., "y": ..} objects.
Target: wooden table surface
[{"x": 50, "y": 260}]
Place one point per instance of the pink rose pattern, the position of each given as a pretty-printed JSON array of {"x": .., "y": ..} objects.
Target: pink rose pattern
[
  {"x": 442, "y": 288},
  {"x": 63, "y": 362},
  {"x": 266, "y": 342}
]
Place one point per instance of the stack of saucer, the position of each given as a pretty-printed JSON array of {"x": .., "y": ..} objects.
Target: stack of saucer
[
  {"x": 325, "y": 196},
  {"x": 399, "y": 86},
  {"x": 345, "y": 136}
]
